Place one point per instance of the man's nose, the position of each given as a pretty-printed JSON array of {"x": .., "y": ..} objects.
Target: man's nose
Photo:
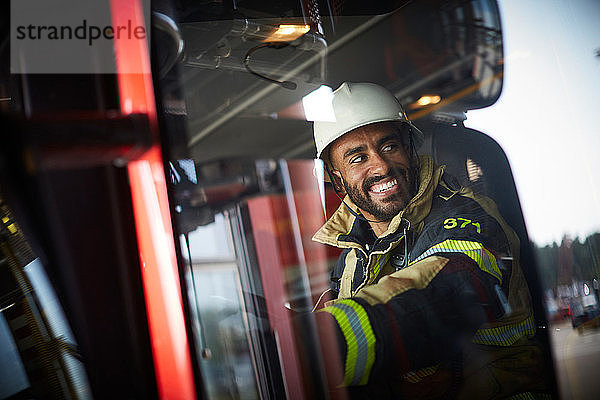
[{"x": 378, "y": 165}]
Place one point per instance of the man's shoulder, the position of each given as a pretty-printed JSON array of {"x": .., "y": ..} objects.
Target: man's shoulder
[
  {"x": 457, "y": 213},
  {"x": 450, "y": 195}
]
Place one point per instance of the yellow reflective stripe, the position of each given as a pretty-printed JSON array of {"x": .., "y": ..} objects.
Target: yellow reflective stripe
[
  {"x": 505, "y": 335},
  {"x": 360, "y": 340},
  {"x": 351, "y": 345},
  {"x": 474, "y": 250},
  {"x": 381, "y": 260}
]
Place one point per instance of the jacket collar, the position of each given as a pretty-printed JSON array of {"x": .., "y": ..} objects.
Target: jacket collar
[{"x": 345, "y": 230}]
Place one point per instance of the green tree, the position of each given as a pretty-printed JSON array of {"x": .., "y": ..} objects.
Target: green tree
[{"x": 547, "y": 260}]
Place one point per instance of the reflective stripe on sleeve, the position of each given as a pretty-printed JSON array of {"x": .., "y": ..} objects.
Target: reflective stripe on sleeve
[
  {"x": 360, "y": 340},
  {"x": 474, "y": 250},
  {"x": 505, "y": 335}
]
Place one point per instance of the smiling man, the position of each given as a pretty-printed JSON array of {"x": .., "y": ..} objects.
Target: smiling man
[
  {"x": 377, "y": 167},
  {"x": 431, "y": 300}
]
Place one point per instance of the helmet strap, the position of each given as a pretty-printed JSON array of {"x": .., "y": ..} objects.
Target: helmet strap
[{"x": 415, "y": 162}]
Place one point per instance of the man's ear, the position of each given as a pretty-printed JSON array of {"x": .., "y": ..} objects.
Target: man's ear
[{"x": 338, "y": 181}]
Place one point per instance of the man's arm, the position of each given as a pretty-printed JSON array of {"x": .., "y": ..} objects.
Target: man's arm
[
  {"x": 413, "y": 318},
  {"x": 424, "y": 314}
]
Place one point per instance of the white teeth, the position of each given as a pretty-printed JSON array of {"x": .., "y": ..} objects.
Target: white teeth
[{"x": 384, "y": 186}]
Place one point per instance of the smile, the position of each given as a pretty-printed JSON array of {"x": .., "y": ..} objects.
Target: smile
[{"x": 384, "y": 187}]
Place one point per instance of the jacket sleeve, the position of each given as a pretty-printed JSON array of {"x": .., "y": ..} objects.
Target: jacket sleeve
[{"x": 424, "y": 314}]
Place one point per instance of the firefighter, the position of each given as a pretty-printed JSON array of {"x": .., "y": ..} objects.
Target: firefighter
[{"x": 431, "y": 300}]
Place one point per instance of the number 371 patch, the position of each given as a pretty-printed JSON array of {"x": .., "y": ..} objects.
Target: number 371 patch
[{"x": 461, "y": 223}]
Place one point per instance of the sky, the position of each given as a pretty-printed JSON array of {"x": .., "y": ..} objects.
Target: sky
[{"x": 548, "y": 117}]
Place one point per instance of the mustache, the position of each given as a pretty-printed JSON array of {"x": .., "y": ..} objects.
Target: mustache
[{"x": 397, "y": 173}]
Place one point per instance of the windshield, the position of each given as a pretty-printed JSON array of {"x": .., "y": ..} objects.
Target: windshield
[
  {"x": 243, "y": 96},
  {"x": 551, "y": 66}
]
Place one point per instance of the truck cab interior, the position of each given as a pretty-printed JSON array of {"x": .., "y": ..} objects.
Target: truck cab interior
[{"x": 232, "y": 81}]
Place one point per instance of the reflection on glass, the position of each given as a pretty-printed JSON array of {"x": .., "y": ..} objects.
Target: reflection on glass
[
  {"x": 570, "y": 273},
  {"x": 450, "y": 52},
  {"x": 210, "y": 242},
  {"x": 556, "y": 174},
  {"x": 226, "y": 359},
  {"x": 220, "y": 325},
  {"x": 52, "y": 309},
  {"x": 13, "y": 378},
  {"x": 38, "y": 353}
]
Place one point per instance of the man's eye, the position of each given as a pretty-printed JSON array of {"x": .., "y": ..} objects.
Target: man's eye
[
  {"x": 357, "y": 159},
  {"x": 389, "y": 147}
]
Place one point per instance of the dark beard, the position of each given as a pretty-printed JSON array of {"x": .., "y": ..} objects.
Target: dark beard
[{"x": 392, "y": 204}]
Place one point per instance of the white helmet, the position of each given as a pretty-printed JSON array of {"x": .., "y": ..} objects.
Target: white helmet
[{"x": 360, "y": 104}]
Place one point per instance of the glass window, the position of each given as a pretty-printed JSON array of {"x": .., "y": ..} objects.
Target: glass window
[
  {"x": 241, "y": 102},
  {"x": 221, "y": 321},
  {"x": 549, "y": 64}
]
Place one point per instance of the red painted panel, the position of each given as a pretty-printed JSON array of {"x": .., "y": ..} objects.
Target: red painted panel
[{"x": 164, "y": 305}]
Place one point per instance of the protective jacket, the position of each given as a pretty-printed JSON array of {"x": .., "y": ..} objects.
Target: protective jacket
[{"x": 437, "y": 306}]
